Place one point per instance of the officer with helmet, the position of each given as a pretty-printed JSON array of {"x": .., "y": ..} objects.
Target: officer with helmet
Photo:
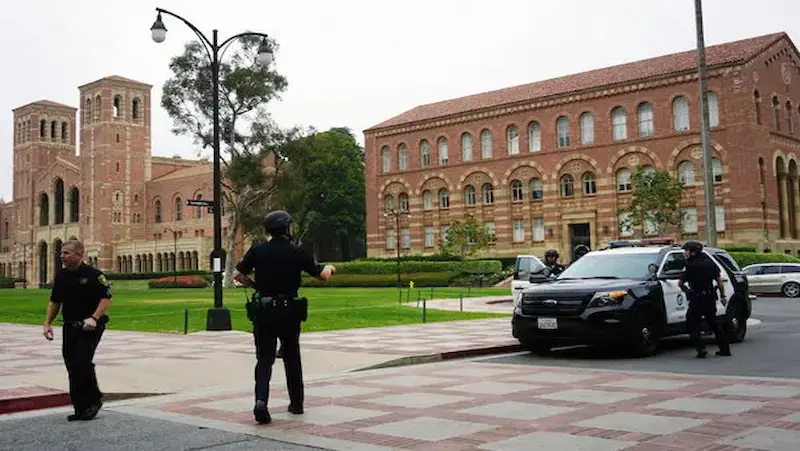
[
  {"x": 700, "y": 274},
  {"x": 551, "y": 261},
  {"x": 275, "y": 309}
]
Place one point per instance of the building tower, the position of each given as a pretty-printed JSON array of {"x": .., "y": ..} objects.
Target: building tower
[
  {"x": 115, "y": 164},
  {"x": 44, "y": 152}
]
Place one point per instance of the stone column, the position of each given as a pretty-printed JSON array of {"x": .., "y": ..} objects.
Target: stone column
[{"x": 784, "y": 209}]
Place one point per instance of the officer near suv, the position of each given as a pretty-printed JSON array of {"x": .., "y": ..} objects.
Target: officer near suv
[
  {"x": 701, "y": 273},
  {"x": 275, "y": 309}
]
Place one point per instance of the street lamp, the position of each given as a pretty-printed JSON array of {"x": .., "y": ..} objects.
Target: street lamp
[
  {"x": 175, "y": 252},
  {"x": 705, "y": 133},
  {"x": 219, "y": 318},
  {"x": 396, "y": 214}
]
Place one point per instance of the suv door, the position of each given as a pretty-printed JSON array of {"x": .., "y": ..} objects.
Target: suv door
[
  {"x": 728, "y": 284},
  {"x": 672, "y": 267},
  {"x": 523, "y": 267}
]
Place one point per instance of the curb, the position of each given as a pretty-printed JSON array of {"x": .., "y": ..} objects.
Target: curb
[
  {"x": 500, "y": 301},
  {"x": 449, "y": 355},
  {"x": 35, "y": 402}
]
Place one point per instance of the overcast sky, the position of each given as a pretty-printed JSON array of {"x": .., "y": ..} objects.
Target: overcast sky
[{"x": 354, "y": 63}]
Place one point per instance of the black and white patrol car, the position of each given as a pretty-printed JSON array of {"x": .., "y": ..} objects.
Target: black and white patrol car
[{"x": 625, "y": 296}]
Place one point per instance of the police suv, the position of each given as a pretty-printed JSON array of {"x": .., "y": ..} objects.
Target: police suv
[{"x": 625, "y": 295}]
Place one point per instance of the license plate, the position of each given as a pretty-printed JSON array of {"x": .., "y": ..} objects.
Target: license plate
[{"x": 547, "y": 323}]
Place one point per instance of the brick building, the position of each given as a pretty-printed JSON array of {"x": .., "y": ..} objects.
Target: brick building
[
  {"x": 549, "y": 164},
  {"x": 120, "y": 200}
]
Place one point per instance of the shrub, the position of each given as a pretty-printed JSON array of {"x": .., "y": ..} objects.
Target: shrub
[
  {"x": 6, "y": 282},
  {"x": 421, "y": 279},
  {"x": 750, "y": 258},
  {"x": 188, "y": 281},
  {"x": 417, "y": 266},
  {"x": 740, "y": 249},
  {"x": 154, "y": 275}
]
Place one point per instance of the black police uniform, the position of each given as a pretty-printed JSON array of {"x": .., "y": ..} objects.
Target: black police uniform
[
  {"x": 700, "y": 274},
  {"x": 278, "y": 264},
  {"x": 79, "y": 293},
  {"x": 556, "y": 268}
]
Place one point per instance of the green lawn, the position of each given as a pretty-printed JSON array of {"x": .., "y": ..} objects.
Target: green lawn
[{"x": 135, "y": 307}]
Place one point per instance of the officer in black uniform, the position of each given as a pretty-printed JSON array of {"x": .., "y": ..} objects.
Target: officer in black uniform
[
  {"x": 700, "y": 274},
  {"x": 551, "y": 261},
  {"x": 579, "y": 251},
  {"x": 83, "y": 295},
  {"x": 276, "y": 311}
]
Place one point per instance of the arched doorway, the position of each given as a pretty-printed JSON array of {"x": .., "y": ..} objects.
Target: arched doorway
[
  {"x": 56, "y": 256},
  {"x": 43, "y": 259}
]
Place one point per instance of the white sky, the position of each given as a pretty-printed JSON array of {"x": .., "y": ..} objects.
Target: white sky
[{"x": 354, "y": 63}]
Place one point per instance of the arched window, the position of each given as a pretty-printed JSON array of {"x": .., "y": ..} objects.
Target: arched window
[
  {"x": 53, "y": 130},
  {"x": 589, "y": 184},
  {"x": 624, "y": 180},
  {"x": 135, "y": 109},
  {"x": 567, "y": 186},
  {"x": 402, "y": 157},
  {"x": 776, "y": 113},
  {"x": 686, "y": 173},
  {"x": 645, "y": 114},
  {"x": 403, "y": 202},
  {"x": 97, "y": 108},
  {"x": 427, "y": 200},
  {"x": 387, "y": 158},
  {"x": 87, "y": 111},
  {"x": 536, "y": 189},
  {"x": 469, "y": 195},
  {"x": 443, "y": 152},
  {"x": 466, "y": 147},
  {"x": 619, "y": 124},
  {"x": 486, "y": 144},
  {"x": 512, "y": 136},
  {"x": 388, "y": 202},
  {"x": 157, "y": 212},
  {"x": 178, "y": 209},
  {"x": 198, "y": 210},
  {"x": 789, "y": 125},
  {"x": 58, "y": 197},
  {"x": 680, "y": 113},
  {"x": 117, "y": 106},
  {"x": 44, "y": 209},
  {"x": 488, "y": 193},
  {"x": 757, "y": 105},
  {"x": 64, "y": 131},
  {"x": 42, "y": 128},
  {"x": 444, "y": 198},
  {"x": 425, "y": 153},
  {"x": 517, "y": 192},
  {"x": 534, "y": 137},
  {"x": 587, "y": 128},
  {"x": 562, "y": 127}
]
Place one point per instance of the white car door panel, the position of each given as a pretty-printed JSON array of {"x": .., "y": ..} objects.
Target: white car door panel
[{"x": 675, "y": 303}]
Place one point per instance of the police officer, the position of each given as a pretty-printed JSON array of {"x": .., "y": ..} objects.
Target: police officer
[
  {"x": 83, "y": 295},
  {"x": 551, "y": 261},
  {"x": 700, "y": 274},
  {"x": 579, "y": 251},
  {"x": 278, "y": 264}
]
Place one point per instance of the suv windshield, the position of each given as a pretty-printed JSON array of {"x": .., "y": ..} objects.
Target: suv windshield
[{"x": 604, "y": 265}]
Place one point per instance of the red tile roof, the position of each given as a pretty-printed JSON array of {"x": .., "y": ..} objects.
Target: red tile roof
[{"x": 727, "y": 53}]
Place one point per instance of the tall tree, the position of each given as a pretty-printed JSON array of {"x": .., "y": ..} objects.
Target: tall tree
[
  {"x": 465, "y": 238},
  {"x": 247, "y": 132},
  {"x": 655, "y": 203}
]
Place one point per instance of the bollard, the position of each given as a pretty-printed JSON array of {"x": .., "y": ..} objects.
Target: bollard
[
  {"x": 186, "y": 321},
  {"x": 461, "y": 302},
  {"x": 424, "y": 311}
]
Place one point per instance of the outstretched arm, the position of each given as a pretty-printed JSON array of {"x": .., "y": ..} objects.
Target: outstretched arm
[{"x": 244, "y": 279}]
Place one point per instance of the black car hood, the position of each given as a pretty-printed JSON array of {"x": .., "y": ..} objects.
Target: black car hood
[{"x": 580, "y": 287}]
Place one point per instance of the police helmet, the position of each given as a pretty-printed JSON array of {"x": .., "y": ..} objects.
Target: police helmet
[
  {"x": 693, "y": 246},
  {"x": 551, "y": 253},
  {"x": 277, "y": 221}
]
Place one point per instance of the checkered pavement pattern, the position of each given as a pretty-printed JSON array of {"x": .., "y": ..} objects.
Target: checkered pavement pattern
[{"x": 478, "y": 406}]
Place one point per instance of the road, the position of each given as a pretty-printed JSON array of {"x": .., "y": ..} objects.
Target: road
[
  {"x": 769, "y": 350},
  {"x": 114, "y": 431}
]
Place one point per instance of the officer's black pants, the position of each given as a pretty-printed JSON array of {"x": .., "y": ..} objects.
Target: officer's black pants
[
  {"x": 705, "y": 308},
  {"x": 77, "y": 348},
  {"x": 266, "y": 337}
]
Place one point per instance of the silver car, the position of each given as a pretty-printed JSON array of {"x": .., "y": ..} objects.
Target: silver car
[{"x": 773, "y": 278}]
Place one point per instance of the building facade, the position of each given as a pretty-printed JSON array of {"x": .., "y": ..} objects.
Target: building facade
[
  {"x": 126, "y": 205},
  {"x": 549, "y": 164}
]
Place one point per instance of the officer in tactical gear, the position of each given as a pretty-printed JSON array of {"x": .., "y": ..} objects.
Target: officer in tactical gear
[
  {"x": 551, "y": 261},
  {"x": 275, "y": 309},
  {"x": 579, "y": 251},
  {"x": 700, "y": 274}
]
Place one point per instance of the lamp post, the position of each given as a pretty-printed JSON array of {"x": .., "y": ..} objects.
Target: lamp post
[
  {"x": 175, "y": 252},
  {"x": 396, "y": 214},
  {"x": 219, "y": 318},
  {"x": 705, "y": 133}
]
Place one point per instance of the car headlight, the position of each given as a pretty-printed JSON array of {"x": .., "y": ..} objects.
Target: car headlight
[{"x": 609, "y": 298}]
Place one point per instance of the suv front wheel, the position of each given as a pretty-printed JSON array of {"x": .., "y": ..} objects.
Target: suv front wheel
[{"x": 645, "y": 335}]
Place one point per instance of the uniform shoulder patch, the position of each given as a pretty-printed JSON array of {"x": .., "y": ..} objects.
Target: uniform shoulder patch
[{"x": 102, "y": 279}]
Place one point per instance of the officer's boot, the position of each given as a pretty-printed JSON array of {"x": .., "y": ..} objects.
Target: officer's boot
[{"x": 261, "y": 413}]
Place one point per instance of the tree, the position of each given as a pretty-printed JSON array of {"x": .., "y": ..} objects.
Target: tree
[
  {"x": 465, "y": 238},
  {"x": 246, "y": 128},
  {"x": 654, "y": 203}
]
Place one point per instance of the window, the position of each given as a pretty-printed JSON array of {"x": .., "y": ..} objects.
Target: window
[
  {"x": 680, "y": 113},
  {"x": 157, "y": 209},
  {"x": 713, "y": 109},
  {"x": 390, "y": 239},
  {"x": 538, "y": 229},
  {"x": 646, "y": 120},
  {"x": 674, "y": 262},
  {"x": 429, "y": 236},
  {"x": 403, "y": 157},
  {"x": 42, "y": 128},
  {"x": 562, "y": 127},
  {"x": 512, "y": 136},
  {"x": 567, "y": 186},
  {"x": 443, "y": 233},
  {"x": 536, "y": 189},
  {"x": 625, "y": 226},
  {"x": 466, "y": 147},
  {"x": 619, "y": 124},
  {"x": 716, "y": 169},
  {"x": 469, "y": 195},
  {"x": 686, "y": 173},
  {"x": 534, "y": 137},
  {"x": 589, "y": 184},
  {"x": 64, "y": 131},
  {"x": 689, "y": 223},
  {"x": 388, "y": 202},
  {"x": 53, "y": 129},
  {"x": 443, "y": 155},
  {"x": 518, "y": 227},
  {"x": 776, "y": 114},
  {"x": 387, "y": 159},
  {"x": 624, "y": 180},
  {"x": 757, "y": 105},
  {"x": 789, "y": 125},
  {"x": 425, "y": 153},
  {"x": 135, "y": 109},
  {"x": 486, "y": 144},
  {"x": 516, "y": 191},
  {"x": 117, "y": 106},
  {"x": 720, "y": 217},
  {"x": 178, "y": 209},
  {"x": 403, "y": 202},
  {"x": 488, "y": 194},
  {"x": 427, "y": 200},
  {"x": 405, "y": 238},
  {"x": 587, "y": 128},
  {"x": 444, "y": 198},
  {"x": 490, "y": 230},
  {"x": 650, "y": 226}
]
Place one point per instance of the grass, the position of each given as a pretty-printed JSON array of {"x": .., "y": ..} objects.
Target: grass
[{"x": 137, "y": 308}]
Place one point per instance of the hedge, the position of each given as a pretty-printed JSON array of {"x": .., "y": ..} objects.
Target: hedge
[
  {"x": 390, "y": 267},
  {"x": 421, "y": 279},
  {"x": 8, "y": 282},
  {"x": 187, "y": 281},
  {"x": 154, "y": 275},
  {"x": 750, "y": 258}
]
